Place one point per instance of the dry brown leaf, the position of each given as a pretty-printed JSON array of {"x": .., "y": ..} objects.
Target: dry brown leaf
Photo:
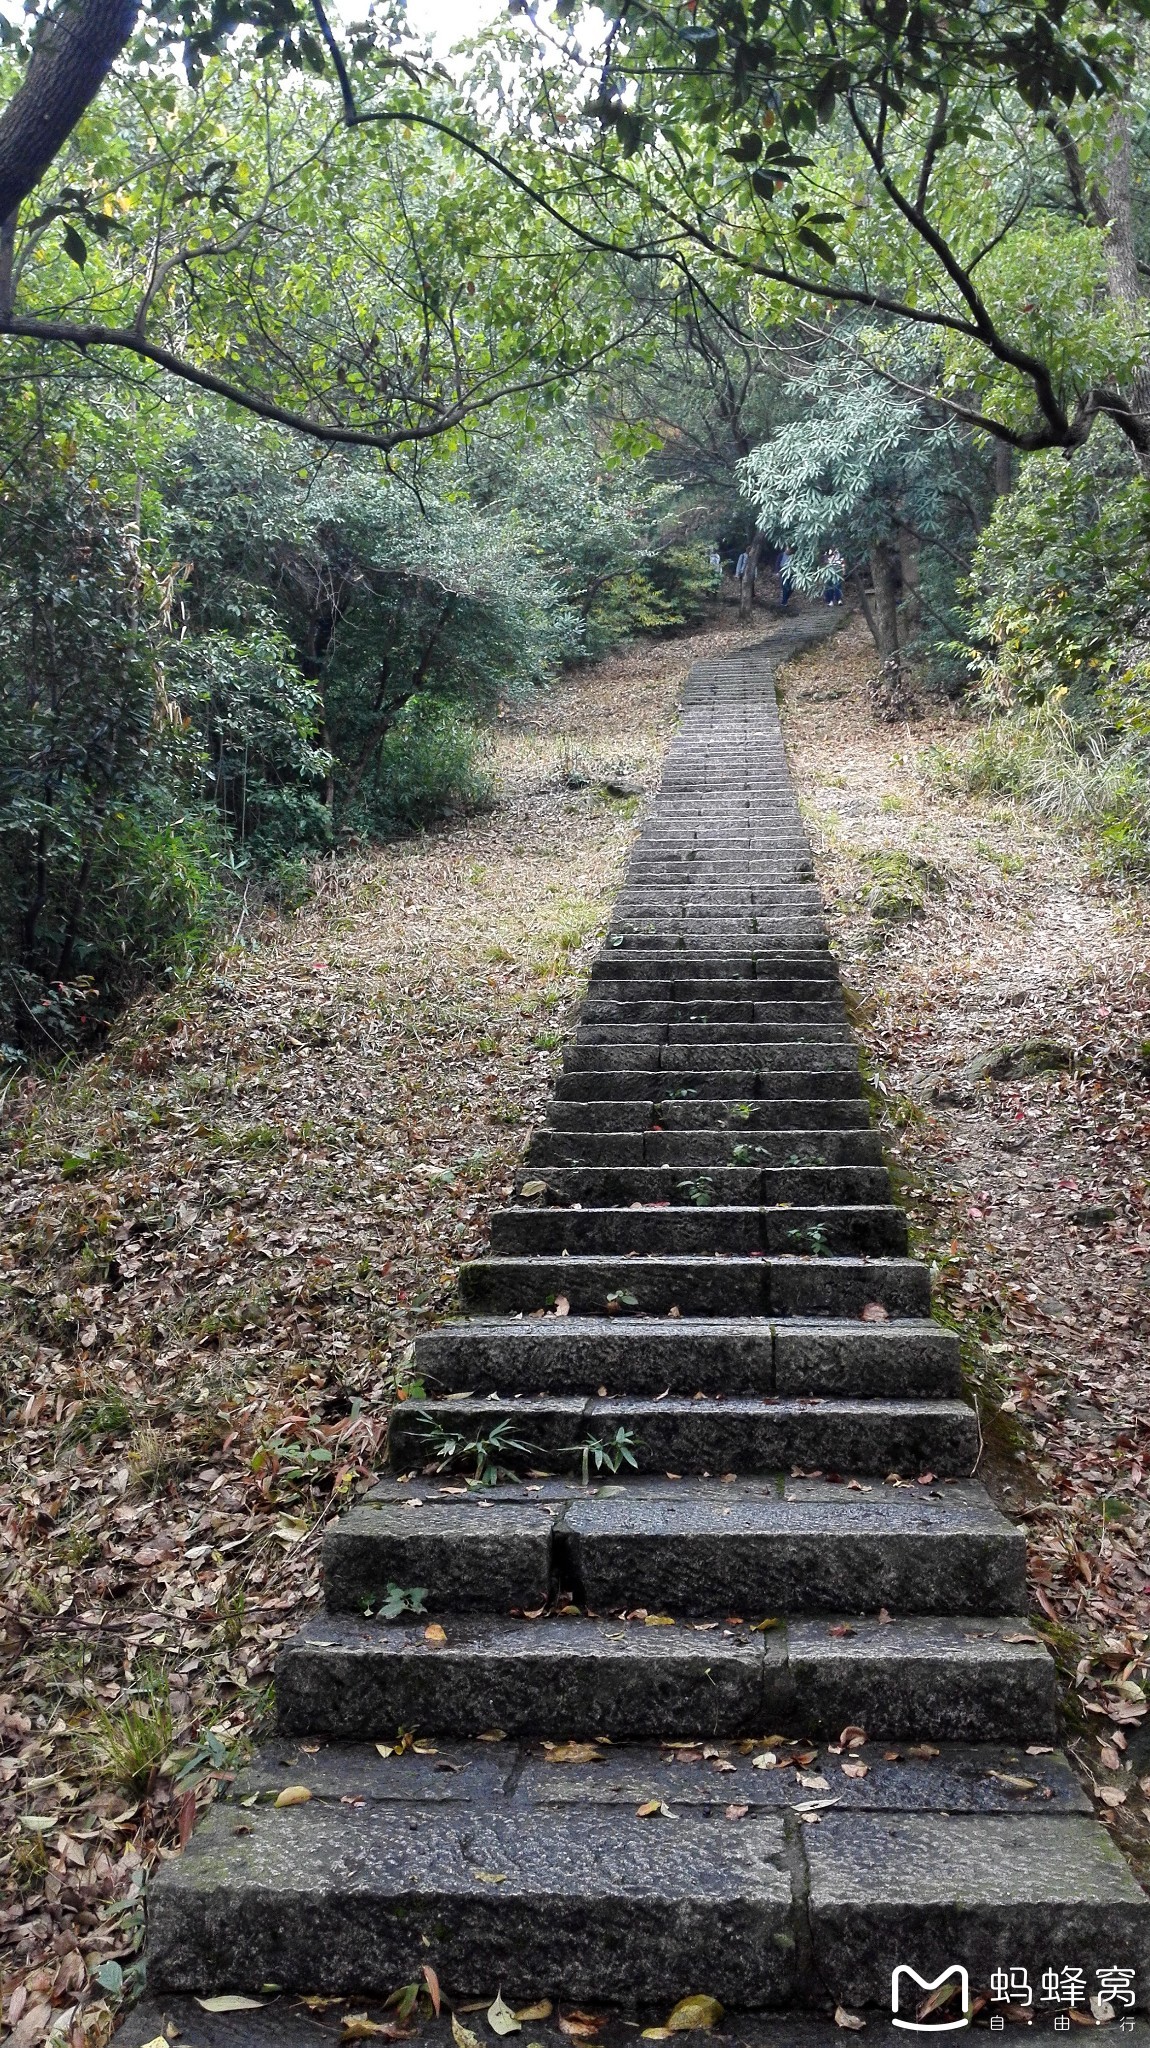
[
  {"x": 572, "y": 1753},
  {"x": 541, "y": 2010},
  {"x": 463, "y": 2036},
  {"x": 849, "y": 2020},
  {"x": 435, "y": 1633}
]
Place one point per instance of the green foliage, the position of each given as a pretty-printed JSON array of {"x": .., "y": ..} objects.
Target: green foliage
[
  {"x": 606, "y": 1453},
  {"x": 107, "y": 861},
  {"x": 428, "y": 766},
  {"x": 258, "y": 721},
  {"x": 1060, "y": 617},
  {"x": 1059, "y": 586},
  {"x": 482, "y": 1449}
]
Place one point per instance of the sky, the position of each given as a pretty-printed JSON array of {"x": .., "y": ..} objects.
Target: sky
[{"x": 447, "y": 21}]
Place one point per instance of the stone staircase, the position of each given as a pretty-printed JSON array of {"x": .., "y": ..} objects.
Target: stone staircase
[{"x": 632, "y": 1765}]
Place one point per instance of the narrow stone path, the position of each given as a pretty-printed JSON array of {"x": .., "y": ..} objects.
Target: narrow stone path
[{"x": 638, "y": 1701}]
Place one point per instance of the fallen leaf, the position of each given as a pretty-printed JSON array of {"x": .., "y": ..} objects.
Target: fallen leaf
[
  {"x": 562, "y": 1305},
  {"x": 695, "y": 2013},
  {"x": 852, "y": 1737},
  {"x": 736, "y": 1812},
  {"x": 541, "y": 2010},
  {"x": 435, "y": 1634},
  {"x": 463, "y": 2036},
  {"x": 490, "y": 1876},
  {"x": 581, "y": 2026},
  {"x": 922, "y": 1750},
  {"x": 385, "y": 1748},
  {"x": 660, "y": 1621},
  {"x": 1014, "y": 1784},
  {"x": 855, "y": 1770},
  {"x": 534, "y": 1187},
  {"x": 356, "y": 2026},
  {"x": 1102, "y": 2009},
  {"x": 230, "y": 2001},
  {"x": 432, "y": 1982},
  {"x": 650, "y": 1807},
  {"x": 850, "y": 2020},
  {"x": 1112, "y": 1796},
  {"x": 572, "y": 1753},
  {"x": 492, "y": 1735},
  {"x": 812, "y": 1781},
  {"x": 293, "y": 1795},
  {"x": 500, "y": 2017},
  {"x": 873, "y": 1312},
  {"x": 1023, "y": 1636}
]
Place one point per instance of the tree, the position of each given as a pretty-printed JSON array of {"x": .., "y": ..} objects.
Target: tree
[
  {"x": 241, "y": 240},
  {"x": 867, "y": 472},
  {"x": 834, "y": 150}
]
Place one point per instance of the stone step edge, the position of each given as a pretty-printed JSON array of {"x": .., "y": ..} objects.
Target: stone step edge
[{"x": 917, "y": 1679}]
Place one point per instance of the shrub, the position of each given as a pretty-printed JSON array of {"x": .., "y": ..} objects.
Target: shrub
[
  {"x": 427, "y": 767},
  {"x": 106, "y": 857}
]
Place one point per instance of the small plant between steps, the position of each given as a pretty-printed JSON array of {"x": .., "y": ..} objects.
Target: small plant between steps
[
  {"x": 452, "y": 1447},
  {"x": 700, "y": 1191},
  {"x": 605, "y": 1453},
  {"x": 608, "y": 1453},
  {"x": 811, "y": 1239}
]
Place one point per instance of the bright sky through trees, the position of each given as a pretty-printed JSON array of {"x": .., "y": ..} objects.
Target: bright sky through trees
[{"x": 447, "y": 21}]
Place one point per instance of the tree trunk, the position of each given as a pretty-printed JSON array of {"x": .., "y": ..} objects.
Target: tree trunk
[
  {"x": 1003, "y": 469},
  {"x": 884, "y": 624},
  {"x": 750, "y": 575},
  {"x": 1113, "y": 205},
  {"x": 908, "y": 555},
  {"x": 72, "y": 55}
]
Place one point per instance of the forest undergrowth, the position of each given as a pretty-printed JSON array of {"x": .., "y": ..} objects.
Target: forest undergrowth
[
  {"x": 218, "y": 1238},
  {"x": 1000, "y": 987}
]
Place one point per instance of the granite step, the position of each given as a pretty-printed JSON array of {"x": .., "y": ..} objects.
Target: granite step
[
  {"x": 566, "y": 1895},
  {"x": 812, "y": 963},
  {"x": 576, "y": 1355},
  {"x": 752, "y": 1031},
  {"x": 733, "y": 1085},
  {"x": 739, "y": 1286},
  {"x": 712, "y": 1056},
  {"x": 686, "y": 1546},
  {"x": 870, "y": 1230},
  {"x": 574, "y": 1157},
  {"x": 982, "y": 1678},
  {"x": 717, "y": 1433},
  {"x": 732, "y": 1186},
  {"x": 785, "y": 1114},
  {"x": 709, "y": 1009}
]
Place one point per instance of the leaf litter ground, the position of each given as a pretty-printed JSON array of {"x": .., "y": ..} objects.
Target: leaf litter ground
[
  {"x": 971, "y": 934},
  {"x": 218, "y": 1239}
]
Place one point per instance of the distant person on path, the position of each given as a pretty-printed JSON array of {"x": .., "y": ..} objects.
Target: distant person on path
[
  {"x": 835, "y": 569},
  {"x": 786, "y": 576},
  {"x": 716, "y": 565},
  {"x": 745, "y": 573}
]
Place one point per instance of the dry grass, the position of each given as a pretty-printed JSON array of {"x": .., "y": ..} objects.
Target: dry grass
[{"x": 1031, "y": 1194}]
